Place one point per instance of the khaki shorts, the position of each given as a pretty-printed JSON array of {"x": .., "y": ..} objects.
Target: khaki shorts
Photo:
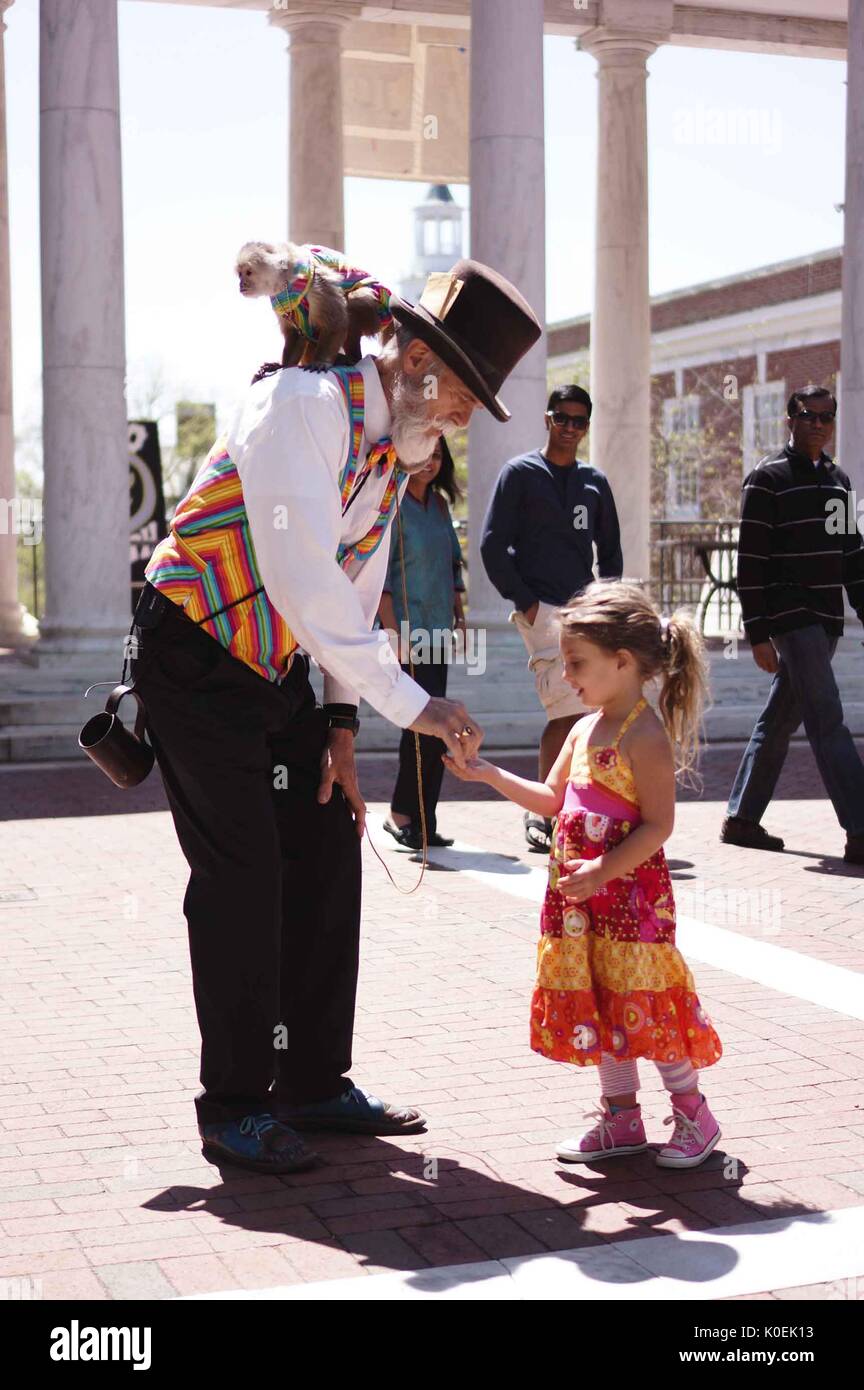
[{"x": 558, "y": 699}]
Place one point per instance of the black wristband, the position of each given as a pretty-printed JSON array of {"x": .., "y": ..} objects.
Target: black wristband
[
  {"x": 342, "y": 721},
  {"x": 346, "y": 711}
]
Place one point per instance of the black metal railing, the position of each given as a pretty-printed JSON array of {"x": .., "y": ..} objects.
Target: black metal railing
[
  {"x": 693, "y": 567},
  {"x": 31, "y": 582}
]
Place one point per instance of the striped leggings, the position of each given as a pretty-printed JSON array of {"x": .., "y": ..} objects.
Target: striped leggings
[{"x": 619, "y": 1078}]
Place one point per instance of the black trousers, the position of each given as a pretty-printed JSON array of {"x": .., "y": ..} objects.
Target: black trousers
[
  {"x": 273, "y": 901},
  {"x": 432, "y": 676}
]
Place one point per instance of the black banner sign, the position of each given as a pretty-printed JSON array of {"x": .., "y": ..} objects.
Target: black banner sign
[{"x": 146, "y": 499}]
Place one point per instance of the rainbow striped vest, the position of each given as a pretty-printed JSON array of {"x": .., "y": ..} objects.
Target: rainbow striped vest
[{"x": 207, "y": 564}]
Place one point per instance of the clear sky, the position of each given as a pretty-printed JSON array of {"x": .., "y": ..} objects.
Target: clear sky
[{"x": 746, "y": 164}]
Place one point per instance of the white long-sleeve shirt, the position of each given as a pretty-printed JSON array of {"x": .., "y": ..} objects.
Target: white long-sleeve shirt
[{"x": 289, "y": 443}]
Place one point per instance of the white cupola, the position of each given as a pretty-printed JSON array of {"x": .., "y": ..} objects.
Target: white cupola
[{"x": 438, "y": 238}]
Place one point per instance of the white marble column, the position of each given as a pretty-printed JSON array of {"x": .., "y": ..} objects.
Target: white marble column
[
  {"x": 852, "y": 348},
  {"x": 84, "y": 412},
  {"x": 10, "y": 608},
  {"x": 620, "y": 322},
  {"x": 508, "y": 233},
  {"x": 316, "y": 203}
]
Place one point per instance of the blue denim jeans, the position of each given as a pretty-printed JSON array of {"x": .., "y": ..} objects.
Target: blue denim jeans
[{"x": 803, "y": 689}]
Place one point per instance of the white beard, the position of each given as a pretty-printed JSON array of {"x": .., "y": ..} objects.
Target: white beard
[{"x": 413, "y": 431}]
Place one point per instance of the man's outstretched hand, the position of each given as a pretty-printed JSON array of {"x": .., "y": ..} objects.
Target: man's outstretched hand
[
  {"x": 445, "y": 719},
  {"x": 337, "y": 765}
]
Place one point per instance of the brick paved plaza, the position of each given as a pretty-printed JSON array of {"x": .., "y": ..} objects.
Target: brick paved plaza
[{"x": 105, "y": 1194}]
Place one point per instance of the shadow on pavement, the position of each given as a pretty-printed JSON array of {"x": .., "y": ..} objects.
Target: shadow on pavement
[{"x": 360, "y": 1177}]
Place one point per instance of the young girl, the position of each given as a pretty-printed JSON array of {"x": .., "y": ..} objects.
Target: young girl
[{"x": 611, "y": 985}]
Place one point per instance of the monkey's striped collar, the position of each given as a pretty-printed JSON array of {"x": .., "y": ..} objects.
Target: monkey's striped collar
[{"x": 293, "y": 302}]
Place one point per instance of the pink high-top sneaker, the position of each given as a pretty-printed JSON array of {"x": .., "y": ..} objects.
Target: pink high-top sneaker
[
  {"x": 611, "y": 1137},
  {"x": 695, "y": 1134}
]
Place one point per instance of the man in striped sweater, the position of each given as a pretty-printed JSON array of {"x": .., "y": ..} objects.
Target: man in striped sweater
[{"x": 799, "y": 544}]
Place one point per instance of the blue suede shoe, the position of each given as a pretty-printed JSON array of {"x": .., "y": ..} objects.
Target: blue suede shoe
[
  {"x": 258, "y": 1142},
  {"x": 355, "y": 1112}
]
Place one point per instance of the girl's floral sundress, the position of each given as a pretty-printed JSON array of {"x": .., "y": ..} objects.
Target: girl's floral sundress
[{"x": 609, "y": 976}]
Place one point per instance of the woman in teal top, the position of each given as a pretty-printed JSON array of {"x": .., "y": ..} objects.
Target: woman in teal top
[{"x": 433, "y": 579}]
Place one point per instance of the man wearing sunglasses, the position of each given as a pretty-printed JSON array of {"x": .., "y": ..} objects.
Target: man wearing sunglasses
[
  {"x": 793, "y": 562},
  {"x": 547, "y": 514}
]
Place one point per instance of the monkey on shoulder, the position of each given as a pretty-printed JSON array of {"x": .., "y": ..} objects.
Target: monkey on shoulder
[{"x": 320, "y": 316}]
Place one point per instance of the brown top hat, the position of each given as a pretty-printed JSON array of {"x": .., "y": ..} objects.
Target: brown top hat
[{"x": 477, "y": 323}]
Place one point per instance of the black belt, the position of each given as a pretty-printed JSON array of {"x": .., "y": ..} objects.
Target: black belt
[
  {"x": 154, "y": 607},
  {"x": 153, "y": 604}
]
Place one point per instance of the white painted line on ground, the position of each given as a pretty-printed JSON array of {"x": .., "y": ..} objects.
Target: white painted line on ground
[
  {"x": 788, "y": 972},
  {"x": 782, "y": 1253},
  {"x": 777, "y": 967}
]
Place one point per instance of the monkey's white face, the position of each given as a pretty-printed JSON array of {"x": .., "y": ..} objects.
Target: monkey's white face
[
  {"x": 253, "y": 278},
  {"x": 257, "y": 272}
]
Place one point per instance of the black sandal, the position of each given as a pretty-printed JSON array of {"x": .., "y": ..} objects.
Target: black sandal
[
  {"x": 404, "y": 835},
  {"x": 538, "y": 831}
]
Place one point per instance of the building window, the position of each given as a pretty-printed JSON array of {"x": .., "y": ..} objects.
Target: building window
[
  {"x": 447, "y": 237},
  {"x": 430, "y": 237},
  {"x": 764, "y": 422},
  {"x": 682, "y": 434}
]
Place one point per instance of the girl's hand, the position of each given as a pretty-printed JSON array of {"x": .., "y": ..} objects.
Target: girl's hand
[
  {"x": 475, "y": 769},
  {"x": 582, "y": 878}
]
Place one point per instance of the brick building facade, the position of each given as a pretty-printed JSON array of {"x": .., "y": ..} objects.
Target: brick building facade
[{"x": 725, "y": 356}]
